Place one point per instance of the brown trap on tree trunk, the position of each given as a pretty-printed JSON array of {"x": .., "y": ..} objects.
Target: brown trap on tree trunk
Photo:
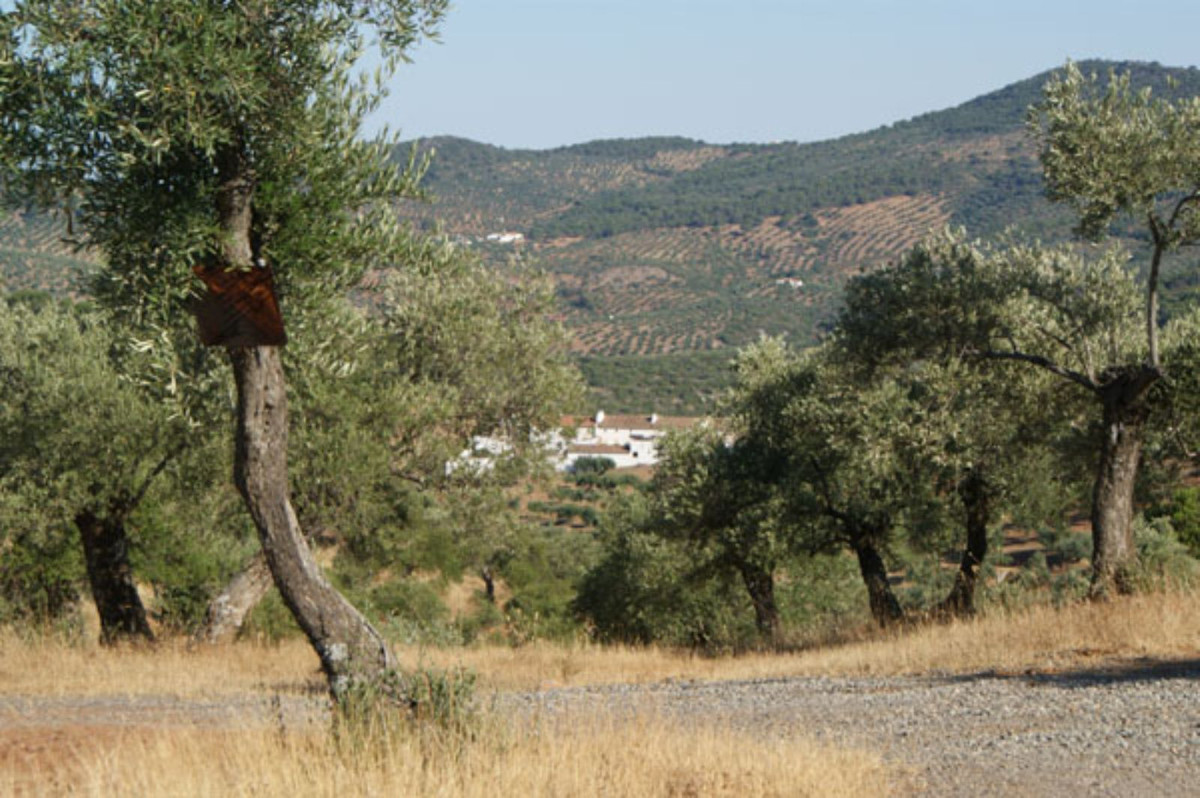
[{"x": 239, "y": 308}]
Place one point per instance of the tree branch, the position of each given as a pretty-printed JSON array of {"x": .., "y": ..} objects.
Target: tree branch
[
  {"x": 1058, "y": 339},
  {"x": 140, "y": 493},
  {"x": 1038, "y": 360},
  {"x": 1181, "y": 206},
  {"x": 415, "y": 479}
]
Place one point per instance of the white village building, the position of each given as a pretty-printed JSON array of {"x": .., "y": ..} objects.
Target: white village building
[
  {"x": 628, "y": 440},
  {"x": 506, "y": 238}
]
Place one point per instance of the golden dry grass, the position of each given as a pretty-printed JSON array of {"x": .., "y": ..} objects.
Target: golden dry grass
[
  {"x": 633, "y": 758},
  {"x": 1160, "y": 625},
  {"x": 50, "y": 667}
]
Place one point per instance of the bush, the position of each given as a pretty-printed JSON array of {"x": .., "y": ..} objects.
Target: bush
[
  {"x": 408, "y": 600},
  {"x": 927, "y": 582},
  {"x": 1185, "y": 518},
  {"x": 1064, "y": 547},
  {"x": 543, "y": 574},
  {"x": 41, "y": 576},
  {"x": 439, "y": 705},
  {"x": 187, "y": 558},
  {"x": 411, "y": 612},
  {"x": 271, "y": 621},
  {"x": 1162, "y": 558},
  {"x": 820, "y": 594},
  {"x": 593, "y": 465},
  {"x": 639, "y": 592}
]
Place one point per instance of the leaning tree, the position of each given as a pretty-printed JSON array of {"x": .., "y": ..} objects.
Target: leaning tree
[{"x": 210, "y": 151}]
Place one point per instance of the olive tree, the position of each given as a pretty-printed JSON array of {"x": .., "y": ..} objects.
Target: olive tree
[
  {"x": 807, "y": 466},
  {"x": 442, "y": 354},
  {"x": 845, "y": 484},
  {"x": 720, "y": 498},
  {"x": 1112, "y": 151},
  {"x": 1073, "y": 317},
  {"x": 981, "y": 433},
  {"x": 79, "y": 449},
  {"x": 221, "y": 140}
]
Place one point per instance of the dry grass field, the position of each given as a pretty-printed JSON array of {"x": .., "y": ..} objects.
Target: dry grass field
[
  {"x": 91, "y": 753},
  {"x": 643, "y": 757}
]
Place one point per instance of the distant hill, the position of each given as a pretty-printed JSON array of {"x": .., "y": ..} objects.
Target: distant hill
[
  {"x": 35, "y": 254},
  {"x": 669, "y": 253},
  {"x": 664, "y": 248}
]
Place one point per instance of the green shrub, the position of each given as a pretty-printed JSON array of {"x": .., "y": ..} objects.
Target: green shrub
[
  {"x": 1185, "y": 518},
  {"x": 1064, "y": 547},
  {"x": 639, "y": 592},
  {"x": 438, "y": 705},
  {"x": 1069, "y": 586},
  {"x": 593, "y": 465},
  {"x": 926, "y": 581},
  {"x": 186, "y": 561},
  {"x": 41, "y": 576},
  {"x": 486, "y": 616},
  {"x": 407, "y": 599},
  {"x": 820, "y": 594},
  {"x": 1162, "y": 558},
  {"x": 271, "y": 621},
  {"x": 411, "y": 612}
]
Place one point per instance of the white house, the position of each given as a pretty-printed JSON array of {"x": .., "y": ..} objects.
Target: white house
[
  {"x": 506, "y": 238},
  {"x": 627, "y": 440}
]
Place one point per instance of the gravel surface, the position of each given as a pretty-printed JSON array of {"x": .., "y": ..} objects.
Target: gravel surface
[
  {"x": 1128, "y": 729},
  {"x": 1125, "y": 729}
]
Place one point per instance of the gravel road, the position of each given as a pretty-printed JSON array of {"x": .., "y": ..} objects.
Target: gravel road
[
  {"x": 1124, "y": 729},
  {"x": 1129, "y": 729}
]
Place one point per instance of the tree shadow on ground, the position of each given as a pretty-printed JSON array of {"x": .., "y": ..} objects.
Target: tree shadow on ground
[{"x": 1106, "y": 672}]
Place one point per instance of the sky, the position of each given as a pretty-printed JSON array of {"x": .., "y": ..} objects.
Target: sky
[{"x": 546, "y": 73}]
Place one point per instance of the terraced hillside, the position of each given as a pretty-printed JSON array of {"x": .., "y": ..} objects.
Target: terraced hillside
[
  {"x": 668, "y": 248},
  {"x": 35, "y": 255}
]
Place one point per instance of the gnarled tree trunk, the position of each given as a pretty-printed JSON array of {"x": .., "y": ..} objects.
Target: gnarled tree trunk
[
  {"x": 106, "y": 554},
  {"x": 489, "y": 583},
  {"x": 977, "y": 510},
  {"x": 227, "y": 612},
  {"x": 1114, "y": 554},
  {"x": 760, "y": 584},
  {"x": 350, "y": 649},
  {"x": 885, "y": 608}
]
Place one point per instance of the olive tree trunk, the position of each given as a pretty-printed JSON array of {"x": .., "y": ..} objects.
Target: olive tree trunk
[
  {"x": 106, "y": 554},
  {"x": 1114, "y": 554},
  {"x": 885, "y": 608},
  {"x": 489, "y": 583},
  {"x": 227, "y": 612},
  {"x": 350, "y": 649},
  {"x": 760, "y": 584},
  {"x": 973, "y": 493}
]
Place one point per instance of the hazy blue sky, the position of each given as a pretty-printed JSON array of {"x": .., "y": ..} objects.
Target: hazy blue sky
[{"x": 541, "y": 73}]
